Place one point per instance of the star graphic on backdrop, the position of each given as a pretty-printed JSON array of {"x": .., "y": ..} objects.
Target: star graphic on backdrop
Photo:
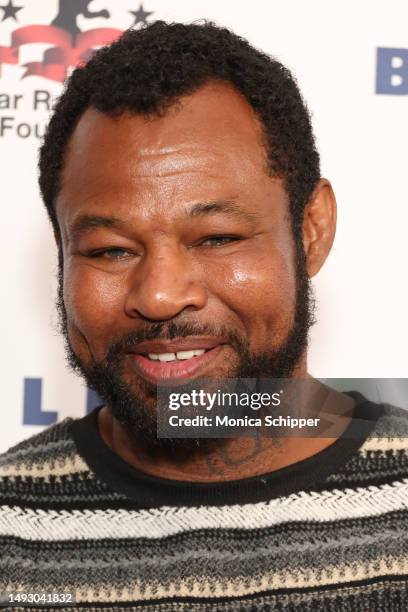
[
  {"x": 141, "y": 15},
  {"x": 10, "y": 10}
]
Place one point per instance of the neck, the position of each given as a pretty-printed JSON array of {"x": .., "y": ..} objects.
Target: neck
[{"x": 222, "y": 459}]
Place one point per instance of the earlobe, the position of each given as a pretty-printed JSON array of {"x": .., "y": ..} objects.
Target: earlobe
[{"x": 319, "y": 226}]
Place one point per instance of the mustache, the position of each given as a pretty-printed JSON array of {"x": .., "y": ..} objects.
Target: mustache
[{"x": 169, "y": 330}]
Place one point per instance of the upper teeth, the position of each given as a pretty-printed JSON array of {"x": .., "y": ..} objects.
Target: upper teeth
[{"x": 178, "y": 355}]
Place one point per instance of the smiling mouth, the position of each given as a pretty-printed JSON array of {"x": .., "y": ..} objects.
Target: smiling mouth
[
  {"x": 171, "y": 366},
  {"x": 179, "y": 356}
]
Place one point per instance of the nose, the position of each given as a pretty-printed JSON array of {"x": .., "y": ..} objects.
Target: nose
[{"x": 163, "y": 285}]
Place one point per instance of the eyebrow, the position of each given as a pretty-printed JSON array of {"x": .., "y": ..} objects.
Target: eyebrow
[
  {"x": 86, "y": 222},
  {"x": 226, "y": 207}
]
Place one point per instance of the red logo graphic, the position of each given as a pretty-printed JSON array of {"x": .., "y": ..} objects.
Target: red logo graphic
[{"x": 71, "y": 46}]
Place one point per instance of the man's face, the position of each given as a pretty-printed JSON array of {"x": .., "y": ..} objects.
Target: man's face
[{"x": 176, "y": 239}]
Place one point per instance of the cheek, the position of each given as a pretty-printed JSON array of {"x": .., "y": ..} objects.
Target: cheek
[
  {"x": 261, "y": 290},
  {"x": 93, "y": 301}
]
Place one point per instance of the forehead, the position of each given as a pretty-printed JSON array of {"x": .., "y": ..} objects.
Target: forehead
[{"x": 207, "y": 141}]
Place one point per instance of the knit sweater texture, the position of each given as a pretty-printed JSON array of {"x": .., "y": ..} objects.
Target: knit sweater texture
[{"x": 328, "y": 534}]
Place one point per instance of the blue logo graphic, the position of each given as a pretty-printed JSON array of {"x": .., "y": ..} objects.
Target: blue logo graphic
[
  {"x": 33, "y": 414},
  {"x": 392, "y": 71}
]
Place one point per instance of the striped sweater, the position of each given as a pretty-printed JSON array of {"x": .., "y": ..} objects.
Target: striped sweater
[{"x": 327, "y": 534}]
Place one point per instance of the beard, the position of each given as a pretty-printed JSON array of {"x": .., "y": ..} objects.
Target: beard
[{"x": 136, "y": 410}]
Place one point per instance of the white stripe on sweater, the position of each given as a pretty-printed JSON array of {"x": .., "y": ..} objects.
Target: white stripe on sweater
[
  {"x": 161, "y": 522},
  {"x": 384, "y": 445}
]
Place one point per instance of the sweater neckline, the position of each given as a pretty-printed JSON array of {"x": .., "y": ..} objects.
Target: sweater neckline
[{"x": 147, "y": 491}]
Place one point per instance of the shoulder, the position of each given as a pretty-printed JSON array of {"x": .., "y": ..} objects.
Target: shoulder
[
  {"x": 43, "y": 471},
  {"x": 43, "y": 454},
  {"x": 47, "y": 472},
  {"x": 390, "y": 434},
  {"x": 382, "y": 460}
]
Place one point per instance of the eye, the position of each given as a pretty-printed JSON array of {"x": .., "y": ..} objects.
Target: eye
[
  {"x": 110, "y": 253},
  {"x": 218, "y": 240}
]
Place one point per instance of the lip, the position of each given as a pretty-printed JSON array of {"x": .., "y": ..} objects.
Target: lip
[
  {"x": 173, "y": 371},
  {"x": 175, "y": 345}
]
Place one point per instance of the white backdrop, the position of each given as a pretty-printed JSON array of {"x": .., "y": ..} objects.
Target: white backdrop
[{"x": 362, "y": 131}]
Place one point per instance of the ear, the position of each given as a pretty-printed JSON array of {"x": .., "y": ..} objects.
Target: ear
[{"x": 319, "y": 226}]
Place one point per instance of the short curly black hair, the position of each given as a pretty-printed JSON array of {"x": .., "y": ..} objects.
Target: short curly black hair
[{"x": 147, "y": 70}]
